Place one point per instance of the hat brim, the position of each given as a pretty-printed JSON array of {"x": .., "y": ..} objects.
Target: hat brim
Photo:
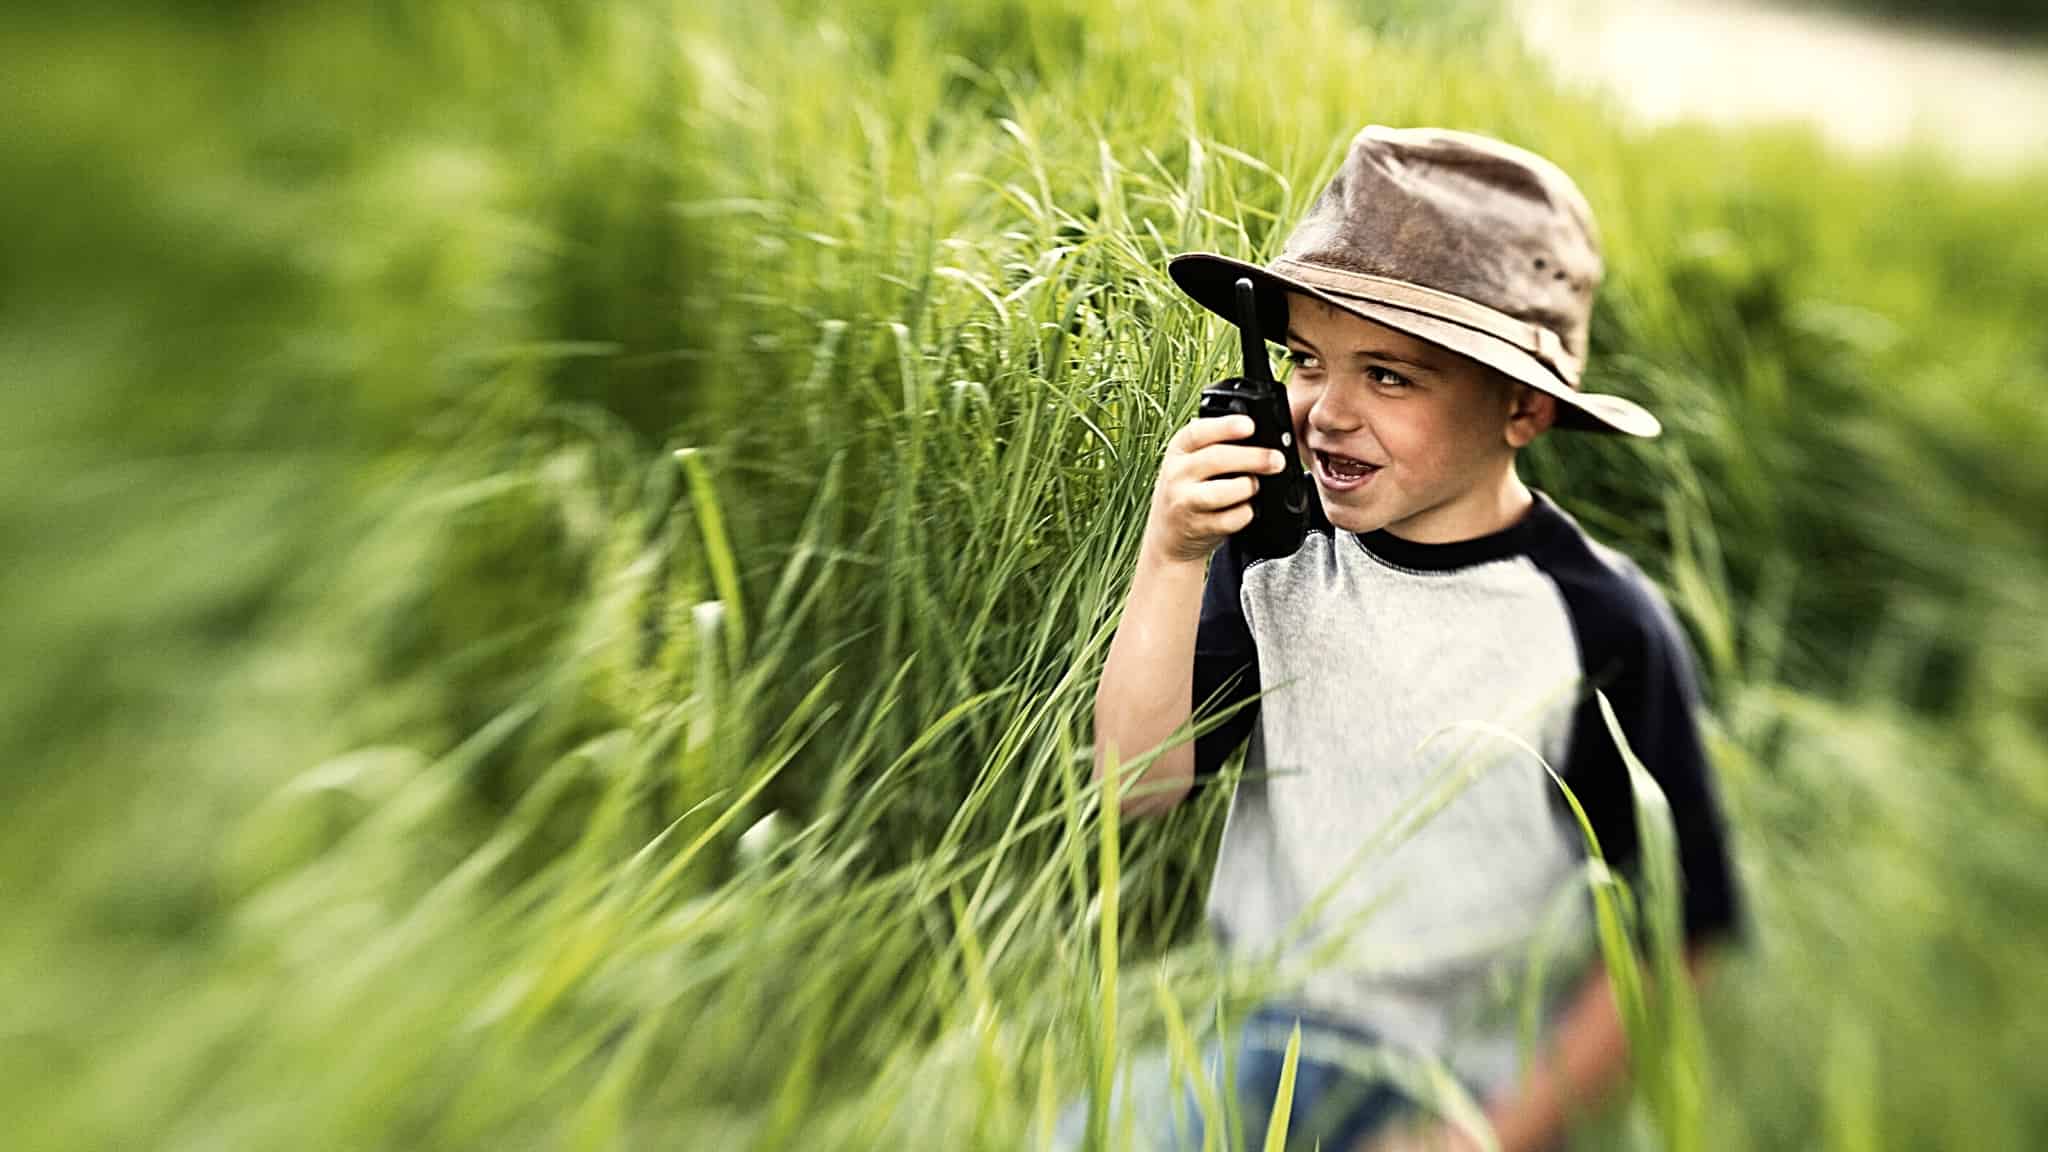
[{"x": 1211, "y": 280}]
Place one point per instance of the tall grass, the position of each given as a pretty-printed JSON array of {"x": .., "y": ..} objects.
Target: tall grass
[{"x": 559, "y": 556}]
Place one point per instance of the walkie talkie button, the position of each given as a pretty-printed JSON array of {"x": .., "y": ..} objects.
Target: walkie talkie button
[{"x": 1287, "y": 439}]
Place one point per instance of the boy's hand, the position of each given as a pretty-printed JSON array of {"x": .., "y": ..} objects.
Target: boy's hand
[{"x": 1192, "y": 508}]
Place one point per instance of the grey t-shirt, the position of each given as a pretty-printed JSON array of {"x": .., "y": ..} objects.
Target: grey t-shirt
[{"x": 1394, "y": 834}]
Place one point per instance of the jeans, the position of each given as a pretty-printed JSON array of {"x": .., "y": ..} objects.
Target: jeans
[{"x": 1335, "y": 1100}]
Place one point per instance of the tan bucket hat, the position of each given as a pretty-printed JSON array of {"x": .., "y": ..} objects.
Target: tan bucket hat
[{"x": 1472, "y": 244}]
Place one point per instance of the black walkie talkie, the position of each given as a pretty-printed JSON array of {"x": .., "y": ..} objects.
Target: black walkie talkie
[{"x": 1280, "y": 506}]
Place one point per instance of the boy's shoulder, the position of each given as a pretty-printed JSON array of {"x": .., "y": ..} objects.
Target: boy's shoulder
[{"x": 1622, "y": 618}]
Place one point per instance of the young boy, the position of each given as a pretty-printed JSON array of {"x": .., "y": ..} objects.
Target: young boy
[{"x": 1440, "y": 627}]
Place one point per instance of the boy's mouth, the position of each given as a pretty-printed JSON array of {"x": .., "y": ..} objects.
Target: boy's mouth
[{"x": 1342, "y": 473}]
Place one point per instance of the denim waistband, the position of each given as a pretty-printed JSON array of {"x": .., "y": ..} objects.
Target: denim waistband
[{"x": 1283, "y": 1014}]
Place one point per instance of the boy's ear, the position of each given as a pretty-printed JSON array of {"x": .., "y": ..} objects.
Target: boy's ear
[{"x": 1531, "y": 412}]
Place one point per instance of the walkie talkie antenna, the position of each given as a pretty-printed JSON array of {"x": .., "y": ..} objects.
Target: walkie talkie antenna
[{"x": 1256, "y": 366}]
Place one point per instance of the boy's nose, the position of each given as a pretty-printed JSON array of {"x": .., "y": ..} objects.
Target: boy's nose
[{"x": 1335, "y": 414}]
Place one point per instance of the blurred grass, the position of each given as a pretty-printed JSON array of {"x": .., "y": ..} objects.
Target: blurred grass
[{"x": 386, "y": 699}]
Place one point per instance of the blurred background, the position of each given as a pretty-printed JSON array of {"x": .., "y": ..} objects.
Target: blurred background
[{"x": 556, "y": 554}]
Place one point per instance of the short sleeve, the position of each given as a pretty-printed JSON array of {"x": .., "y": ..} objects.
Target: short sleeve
[
  {"x": 1650, "y": 677},
  {"x": 1226, "y": 663}
]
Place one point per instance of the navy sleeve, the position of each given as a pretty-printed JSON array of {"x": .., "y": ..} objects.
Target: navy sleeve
[
  {"x": 1637, "y": 653},
  {"x": 1226, "y": 663}
]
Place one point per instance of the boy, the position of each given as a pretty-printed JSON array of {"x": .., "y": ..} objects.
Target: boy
[{"x": 1440, "y": 626}]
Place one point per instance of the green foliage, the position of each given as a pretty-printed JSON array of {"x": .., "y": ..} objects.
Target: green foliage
[{"x": 558, "y": 556}]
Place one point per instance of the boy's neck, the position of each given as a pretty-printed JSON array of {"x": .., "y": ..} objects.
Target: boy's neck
[{"x": 1485, "y": 510}]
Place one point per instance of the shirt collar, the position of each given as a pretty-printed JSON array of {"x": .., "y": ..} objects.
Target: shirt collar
[{"x": 1514, "y": 540}]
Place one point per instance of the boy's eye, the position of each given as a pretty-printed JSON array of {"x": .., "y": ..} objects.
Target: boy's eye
[
  {"x": 1299, "y": 359},
  {"x": 1386, "y": 377}
]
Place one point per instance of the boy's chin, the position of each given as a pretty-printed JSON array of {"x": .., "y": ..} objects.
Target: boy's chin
[
  {"x": 1362, "y": 514},
  {"x": 1355, "y": 520}
]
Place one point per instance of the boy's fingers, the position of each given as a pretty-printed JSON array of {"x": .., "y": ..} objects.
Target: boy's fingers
[
  {"x": 1216, "y": 495},
  {"x": 1203, "y": 431},
  {"x": 1223, "y": 459},
  {"x": 1228, "y": 522}
]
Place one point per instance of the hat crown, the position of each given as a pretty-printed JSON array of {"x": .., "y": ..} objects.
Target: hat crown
[{"x": 1463, "y": 214}]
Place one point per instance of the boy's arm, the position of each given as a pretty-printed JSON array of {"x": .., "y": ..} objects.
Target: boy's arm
[
  {"x": 1148, "y": 681},
  {"x": 1656, "y": 699},
  {"x": 1587, "y": 1061},
  {"x": 1657, "y": 702},
  {"x": 1146, "y": 691}
]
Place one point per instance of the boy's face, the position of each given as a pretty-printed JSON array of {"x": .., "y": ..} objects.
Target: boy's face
[{"x": 1438, "y": 431}]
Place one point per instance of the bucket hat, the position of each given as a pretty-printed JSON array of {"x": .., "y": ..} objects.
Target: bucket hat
[{"x": 1467, "y": 242}]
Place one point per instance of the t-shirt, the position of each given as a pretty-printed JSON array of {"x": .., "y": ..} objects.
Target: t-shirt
[{"x": 1394, "y": 832}]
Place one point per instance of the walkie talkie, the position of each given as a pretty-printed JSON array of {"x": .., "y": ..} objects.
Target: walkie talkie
[{"x": 1280, "y": 506}]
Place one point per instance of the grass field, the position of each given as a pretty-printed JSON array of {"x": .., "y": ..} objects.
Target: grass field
[{"x": 558, "y": 555}]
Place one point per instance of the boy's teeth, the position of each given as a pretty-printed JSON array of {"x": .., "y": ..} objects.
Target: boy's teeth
[{"x": 1344, "y": 466}]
